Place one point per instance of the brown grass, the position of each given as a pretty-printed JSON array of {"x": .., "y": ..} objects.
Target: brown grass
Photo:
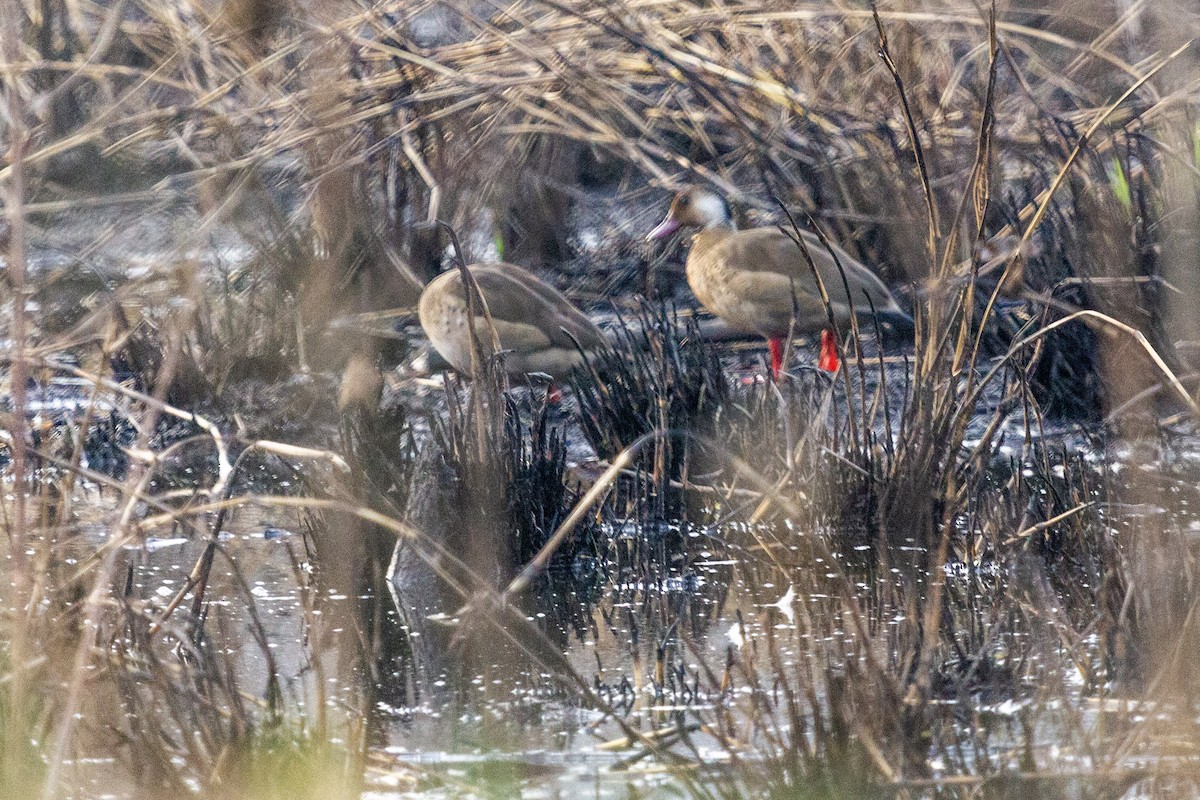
[{"x": 1033, "y": 187}]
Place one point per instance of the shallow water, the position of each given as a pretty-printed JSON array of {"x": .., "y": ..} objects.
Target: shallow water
[
  {"x": 509, "y": 733},
  {"x": 521, "y": 737}
]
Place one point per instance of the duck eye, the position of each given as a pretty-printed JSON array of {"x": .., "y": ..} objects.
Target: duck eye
[{"x": 684, "y": 200}]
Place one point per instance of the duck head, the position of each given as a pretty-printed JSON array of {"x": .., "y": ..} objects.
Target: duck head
[{"x": 694, "y": 208}]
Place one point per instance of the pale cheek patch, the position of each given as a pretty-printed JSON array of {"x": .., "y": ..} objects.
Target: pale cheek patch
[{"x": 711, "y": 209}]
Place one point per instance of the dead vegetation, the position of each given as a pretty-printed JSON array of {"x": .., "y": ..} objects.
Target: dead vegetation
[{"x": 967, "y": 569}]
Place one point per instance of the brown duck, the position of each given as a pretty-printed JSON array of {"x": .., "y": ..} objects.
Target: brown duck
[
  {"x": 758, "y": 280},
  {"x": 537, "y": 328}
]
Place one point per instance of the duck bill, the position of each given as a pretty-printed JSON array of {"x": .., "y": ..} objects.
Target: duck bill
[{"x": 664, "y": 229}]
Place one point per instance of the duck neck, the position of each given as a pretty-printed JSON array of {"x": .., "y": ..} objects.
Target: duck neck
[{"x": 710, "y": 237}]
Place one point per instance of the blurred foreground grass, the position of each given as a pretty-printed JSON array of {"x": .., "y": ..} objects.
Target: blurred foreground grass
[{"x": 964, "y": 570}]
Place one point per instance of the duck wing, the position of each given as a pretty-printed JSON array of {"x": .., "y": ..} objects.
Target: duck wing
[
  {"x": 528, "y": 313},
  {"x": 763, "y": 267}
]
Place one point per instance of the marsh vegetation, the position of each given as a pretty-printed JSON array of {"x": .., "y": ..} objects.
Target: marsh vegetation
[{"x": 260, "y": 545}]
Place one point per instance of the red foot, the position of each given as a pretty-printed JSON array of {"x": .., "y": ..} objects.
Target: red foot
[
  {"x": 776, "y": 347},
  {"x": 828, "y": 360},
  {"x": 553, "y": 395}
]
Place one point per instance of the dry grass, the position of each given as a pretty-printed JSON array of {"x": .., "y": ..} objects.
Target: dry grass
[{"x": 965, "y": 587}]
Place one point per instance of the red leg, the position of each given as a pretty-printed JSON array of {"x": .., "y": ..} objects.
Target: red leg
[
  {"x": 553, "y": 395},
  {"x": 775, "y": 345},
  {"x": 828, "y": 360}
]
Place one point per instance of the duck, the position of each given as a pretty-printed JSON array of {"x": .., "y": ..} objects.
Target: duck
[
  {"x": 759, "y": 281},
  {"x": 538, "y": 330}
]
